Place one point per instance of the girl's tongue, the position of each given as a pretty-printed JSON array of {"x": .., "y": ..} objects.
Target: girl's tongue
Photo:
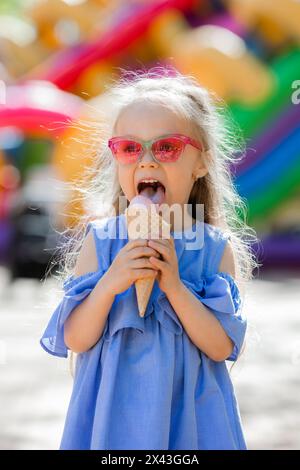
[{"x": 156, "y": 196}]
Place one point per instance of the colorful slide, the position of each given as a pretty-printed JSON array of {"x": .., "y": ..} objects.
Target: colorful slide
[
  {"x": 66, "y": 67},
  {"x": 271, "y": 173}
]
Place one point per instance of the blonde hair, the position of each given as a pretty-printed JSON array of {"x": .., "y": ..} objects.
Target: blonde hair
[{"x": 208, "y": 119}]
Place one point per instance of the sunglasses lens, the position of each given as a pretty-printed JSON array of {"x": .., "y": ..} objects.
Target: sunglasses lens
[
  {"x": 168, "y": 149},
  {"x": 126, "y": 151}
]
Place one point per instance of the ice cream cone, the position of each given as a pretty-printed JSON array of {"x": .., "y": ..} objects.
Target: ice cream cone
[{"x": 150, "y": 225}]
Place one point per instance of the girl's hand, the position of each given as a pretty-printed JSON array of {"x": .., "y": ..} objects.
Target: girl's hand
[
  {"x": 168, "y": 277},
  {"x": 131, "y": 263}
]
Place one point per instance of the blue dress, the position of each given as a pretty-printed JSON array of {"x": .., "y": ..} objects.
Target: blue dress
[{"x": 144, "y": 384}]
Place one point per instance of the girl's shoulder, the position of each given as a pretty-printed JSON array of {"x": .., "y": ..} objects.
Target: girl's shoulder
[
  {"x": 109, "y": 235},
  {"x": 107, "y": 228},
  {"x": 215, "y": 240},
  {"x": 214, "y": 233}
]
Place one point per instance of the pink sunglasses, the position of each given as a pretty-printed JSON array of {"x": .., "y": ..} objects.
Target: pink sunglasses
[{"x": 166, "y": 148}]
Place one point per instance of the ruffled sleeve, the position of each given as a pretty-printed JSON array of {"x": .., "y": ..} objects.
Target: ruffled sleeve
[
  {"x": 221, "y": 295},
  {"x": 76, "y": 290}
]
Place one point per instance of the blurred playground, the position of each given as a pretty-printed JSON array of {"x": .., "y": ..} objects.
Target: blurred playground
[{"x": 57, "y": 58}]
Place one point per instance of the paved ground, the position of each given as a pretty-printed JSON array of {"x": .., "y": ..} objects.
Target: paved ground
[{"x": 35, "y": 387}]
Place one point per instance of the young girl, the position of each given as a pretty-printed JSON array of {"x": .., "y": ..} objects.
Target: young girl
[{"x": 158, "y": 381}]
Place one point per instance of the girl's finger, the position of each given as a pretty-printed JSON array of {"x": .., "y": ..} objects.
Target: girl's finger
[
  {"x": 162, "y": 241},
  {"x": 161, "y": 248},
  {"x": 140, "y": 251},
  {"x": 135, "y": 243},
  {"x": 142, "y": 263},
  {"x": 158, "y": 263},
  {"x": 169, "y": 243}
]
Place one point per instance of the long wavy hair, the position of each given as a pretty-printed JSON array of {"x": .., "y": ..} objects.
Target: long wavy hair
[{"x": 209, "y": 120}]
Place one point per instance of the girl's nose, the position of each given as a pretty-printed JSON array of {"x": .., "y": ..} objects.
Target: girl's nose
[{"x": 147, "y": 160}]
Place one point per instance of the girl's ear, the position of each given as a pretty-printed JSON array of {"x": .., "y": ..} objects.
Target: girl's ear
[
  {"x": 199, "y": 174},
  {"x": 201, "y": 169}
]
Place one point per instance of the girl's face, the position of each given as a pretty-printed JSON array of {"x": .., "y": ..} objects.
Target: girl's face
[{"x": 147, "y": 121}]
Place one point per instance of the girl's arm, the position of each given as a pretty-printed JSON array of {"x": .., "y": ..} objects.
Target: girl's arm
[
  {"x": 85, "y": 325},
  {"x": 200, "y": 324}
]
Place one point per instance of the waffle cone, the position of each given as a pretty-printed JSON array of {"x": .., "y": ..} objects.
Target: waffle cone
[{"x": 151, "y": 225}]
